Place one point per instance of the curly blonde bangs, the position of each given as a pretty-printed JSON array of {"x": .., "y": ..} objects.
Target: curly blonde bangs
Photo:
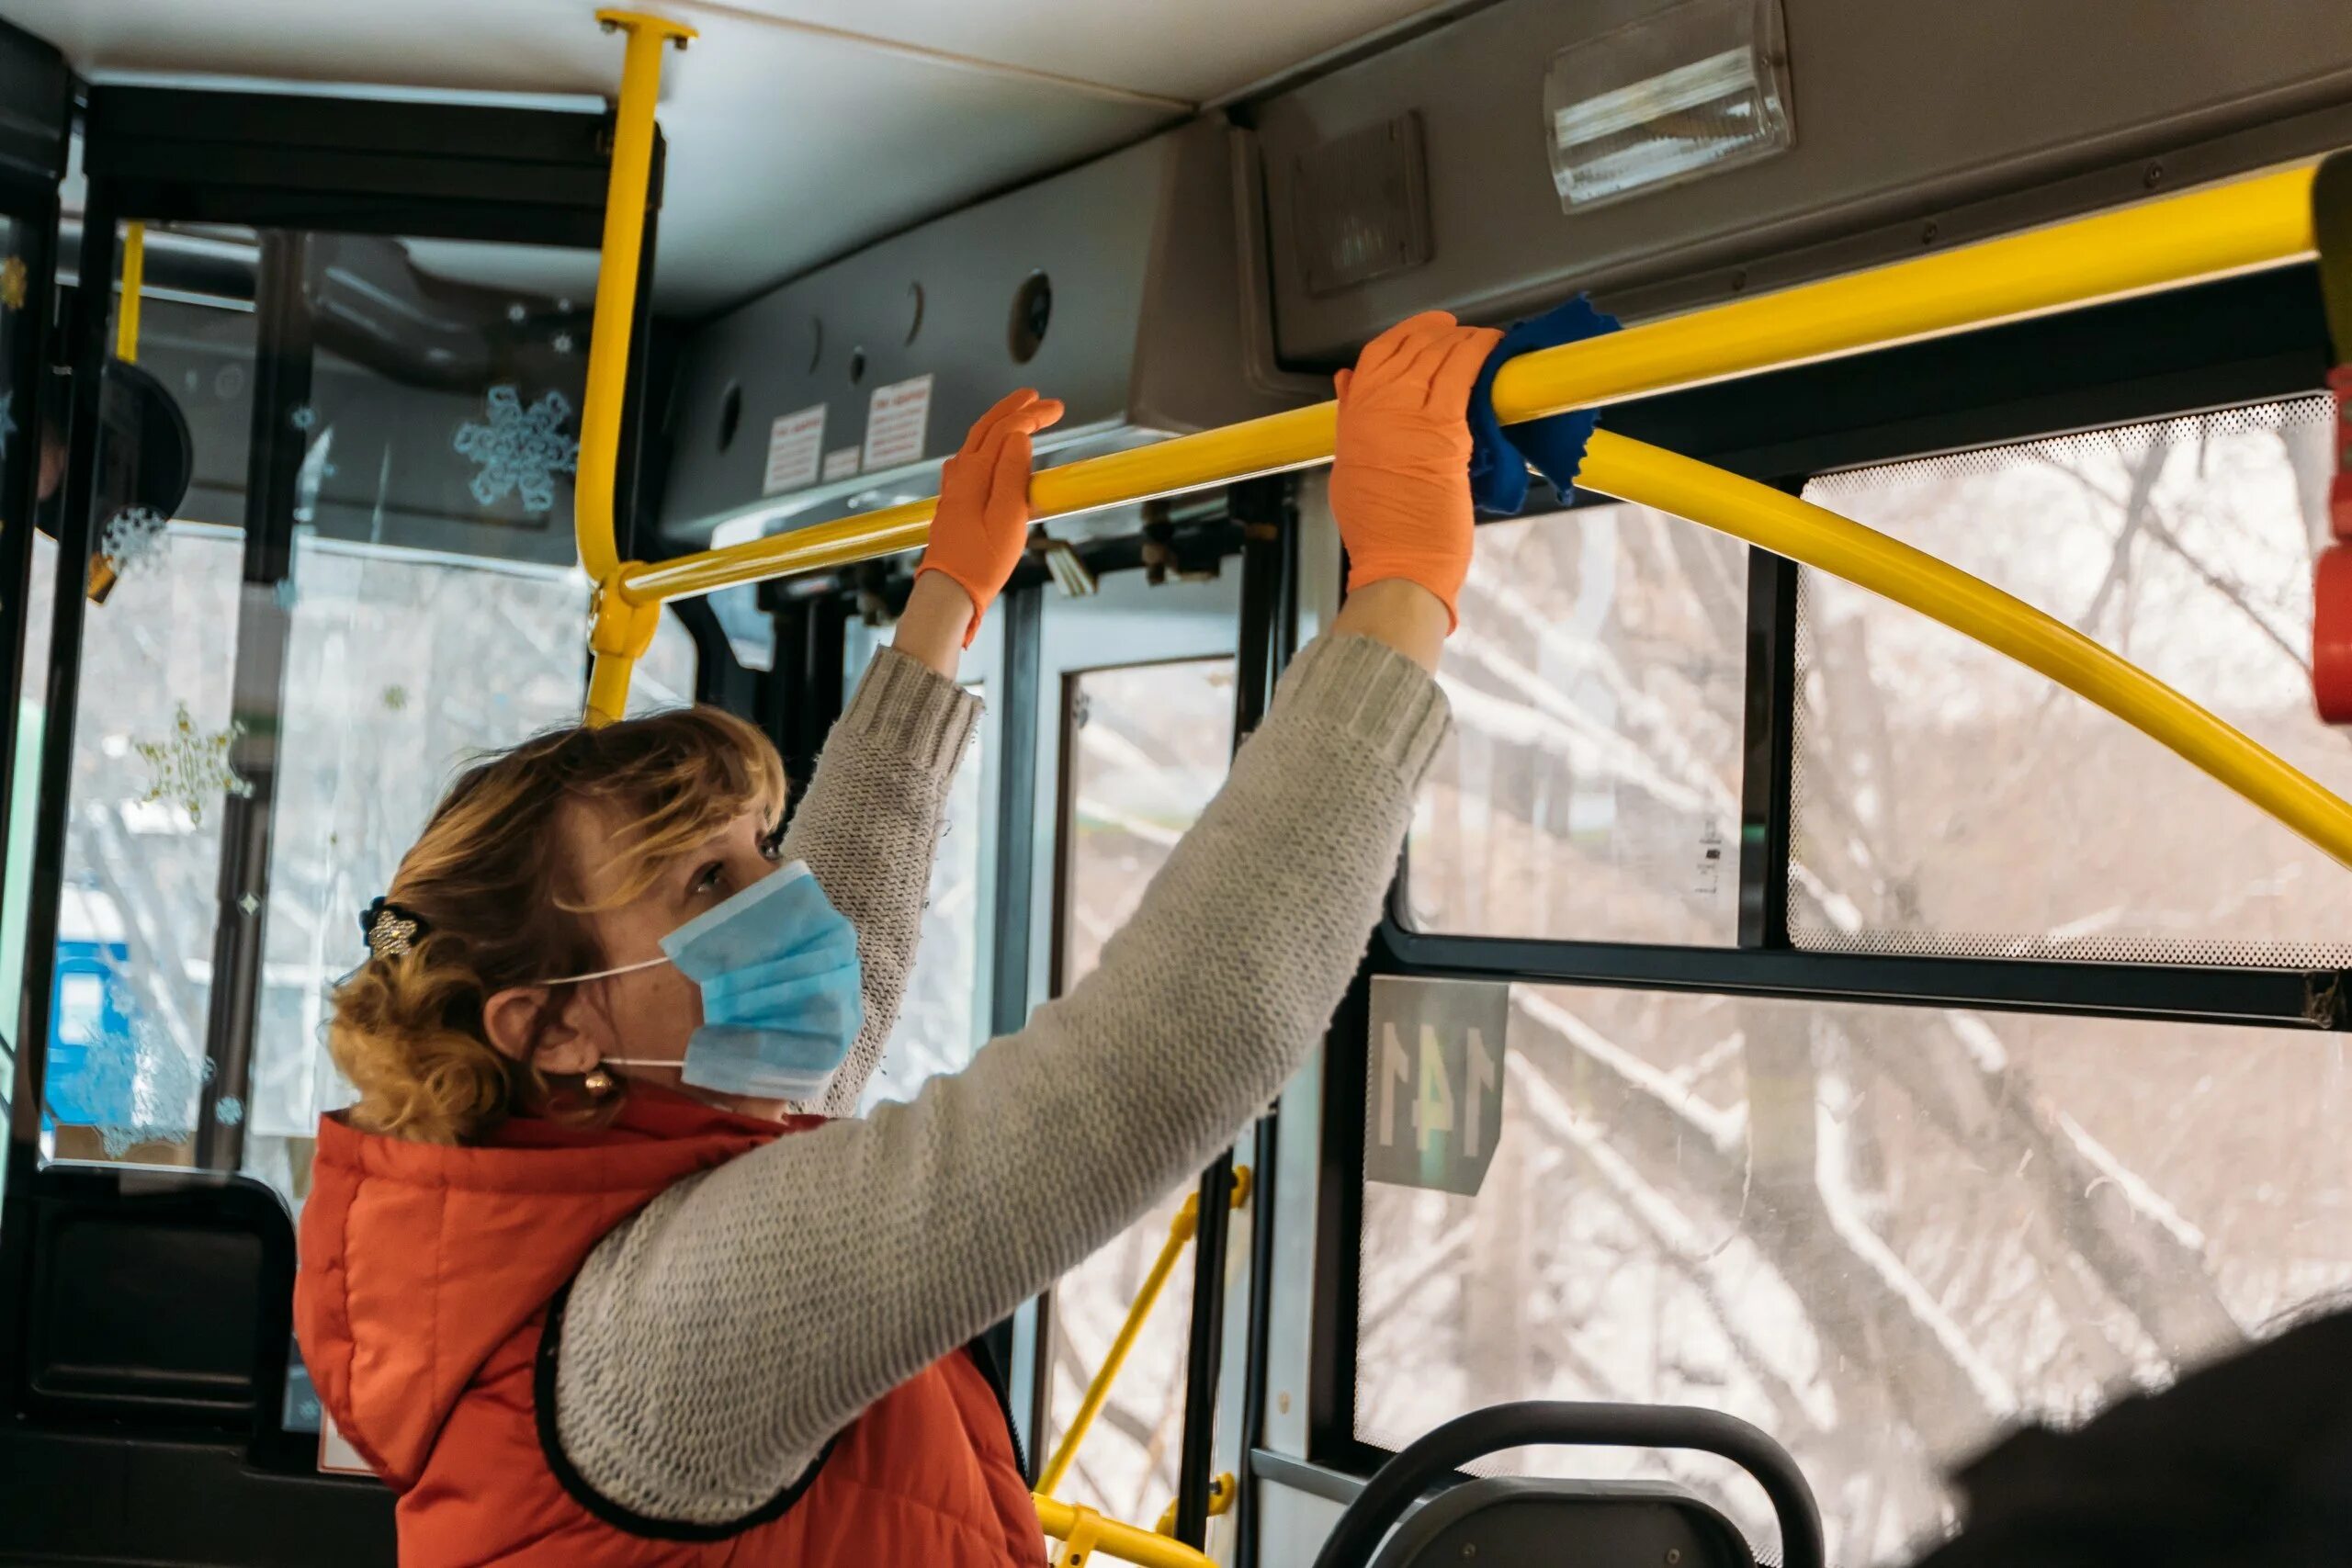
[{"x": 501, "y": 906}]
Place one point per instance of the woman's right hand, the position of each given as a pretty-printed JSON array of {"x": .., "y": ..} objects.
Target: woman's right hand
[
  {"x": 1400, "y": 480},
  {"x": 1400, "y": 477}
]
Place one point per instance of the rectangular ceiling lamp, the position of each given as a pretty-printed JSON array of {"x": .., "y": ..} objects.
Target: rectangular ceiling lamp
[{"x": 1689, "y": 90}]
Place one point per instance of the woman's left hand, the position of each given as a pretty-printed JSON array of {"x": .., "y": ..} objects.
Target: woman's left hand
[{"x": 982, "y": 523}]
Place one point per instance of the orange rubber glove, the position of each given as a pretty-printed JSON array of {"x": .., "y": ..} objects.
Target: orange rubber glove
[
  {"x": 1400, "y": 477},
  {"x": 982, "y": 523}
]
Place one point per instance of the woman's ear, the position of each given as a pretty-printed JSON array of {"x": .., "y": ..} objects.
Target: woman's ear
[{"x": 559, "y": 1037}]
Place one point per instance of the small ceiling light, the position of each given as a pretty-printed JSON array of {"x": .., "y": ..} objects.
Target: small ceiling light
[{"x": 1697, "y": 87}]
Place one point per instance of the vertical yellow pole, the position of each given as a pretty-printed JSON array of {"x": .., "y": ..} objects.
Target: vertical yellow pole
[
  {"x": 102, "y": 578},
  {"x": 609, "y": 350},
  {"x": 134, "y": 278},
  {"x": 1180, "y": 1231}
]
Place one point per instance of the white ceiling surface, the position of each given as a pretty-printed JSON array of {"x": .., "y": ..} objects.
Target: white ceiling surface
[{"x": 790, "y": 142}]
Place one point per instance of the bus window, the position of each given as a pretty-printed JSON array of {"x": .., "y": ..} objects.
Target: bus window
[
  {"x": 1590, "y": 791},
  {"x": 142, "y": 851},
  {"x": 1949, "y": 801},
  {"x": 392, "y": 644},
  {"x": 664, "y": 678},
  {"x": 942, "y": 1022},
  {"x": 1879, "y": 1233},
  {"x": 1146, "y": 747}
]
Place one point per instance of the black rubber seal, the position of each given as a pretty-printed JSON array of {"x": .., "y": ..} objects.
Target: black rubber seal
[{"x": 620, "y": 1517}]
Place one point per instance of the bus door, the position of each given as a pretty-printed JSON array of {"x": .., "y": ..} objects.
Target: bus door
[
  {"x": 1135, "y": 701},
  {"x": 314, "y": 542},
  {"x": 35, "y": 88}
]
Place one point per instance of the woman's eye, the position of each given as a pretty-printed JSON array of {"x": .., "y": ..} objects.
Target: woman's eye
[
  {"x": 707, "y": 879},
  {"x": 772, "y": 842}
]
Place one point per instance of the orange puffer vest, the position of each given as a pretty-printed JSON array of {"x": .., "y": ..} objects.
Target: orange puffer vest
[{"x": 429, "y": 1279}]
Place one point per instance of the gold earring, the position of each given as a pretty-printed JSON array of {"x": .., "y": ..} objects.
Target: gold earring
[{"x": 599, "y": 1083}]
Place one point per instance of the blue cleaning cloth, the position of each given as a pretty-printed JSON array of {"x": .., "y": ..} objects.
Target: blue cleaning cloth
[{"x": 1500, "y": 458}]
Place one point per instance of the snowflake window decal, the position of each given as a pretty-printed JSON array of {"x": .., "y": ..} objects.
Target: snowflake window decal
[
  {"x": 148, "y": 1083},
  {"x": 190, "y": 766},
  {"x": 519, "y": 449},
  {"x": 134, "y": 539}
]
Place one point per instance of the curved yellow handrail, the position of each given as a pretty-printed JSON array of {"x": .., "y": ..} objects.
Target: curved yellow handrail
[
  {"x": 2245, "y": 225},
  {"x": 617, "y": 648},
  {"x": 1062, "y": 1521},
  {"x": 1773, "y": 520},
  {"x": 2240, "y": 226}
]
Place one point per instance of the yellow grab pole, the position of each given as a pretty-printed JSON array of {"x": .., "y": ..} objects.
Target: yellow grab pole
[
  {"x": 1772, "y": 520},
  {"x": 1064, "y": 1521},
  {"x": 2263, "y": 220},
  {"x": 1180, "y": 1231},
  {"x": 609, "y": 331},
  {"x": 1098, "y": 1391},
  {"x": 134, "y": 278}
]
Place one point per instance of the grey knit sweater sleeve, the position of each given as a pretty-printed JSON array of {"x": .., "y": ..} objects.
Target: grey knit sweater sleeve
[
  {"x": 868, "y": 827},
  {"x": 715, "y": 1342}
]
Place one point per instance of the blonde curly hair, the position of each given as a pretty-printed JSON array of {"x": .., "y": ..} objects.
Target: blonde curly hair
[{"x": 500, "y": 906}]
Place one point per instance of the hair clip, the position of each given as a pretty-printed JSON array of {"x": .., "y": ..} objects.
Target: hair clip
[{"x": 392, "y": 930}]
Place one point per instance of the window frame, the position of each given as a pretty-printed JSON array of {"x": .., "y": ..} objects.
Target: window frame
[{"x": 2251, "y": 339}]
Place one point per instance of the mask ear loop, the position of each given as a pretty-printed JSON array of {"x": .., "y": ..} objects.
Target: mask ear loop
[
  {"x": 602, "y": 974},
  {"x": 606, "y": 975}
]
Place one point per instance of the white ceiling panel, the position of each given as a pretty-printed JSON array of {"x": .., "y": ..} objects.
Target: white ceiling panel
[
  {"x": 799, "y": 129},
  {"x": 1190, "y": 50}
]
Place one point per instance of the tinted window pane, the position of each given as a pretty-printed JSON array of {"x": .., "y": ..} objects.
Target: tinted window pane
[
  {"x": 1146, "y": 748},
  {"x": 938, "y": 1023},
  {"x": 1590, "y": 790},
  {"x": 1881, "y": 1234},
  {"x": 1949, "y": 800}
]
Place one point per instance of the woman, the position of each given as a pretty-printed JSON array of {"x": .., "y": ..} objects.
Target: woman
[{"x": 573, "y": 1281}]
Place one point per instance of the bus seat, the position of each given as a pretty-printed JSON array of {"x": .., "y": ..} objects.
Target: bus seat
[
  {"x": 1531, "y": 1522},
  {"x": 148, "y": 1413},
  {"x": 158, "y": 1297}
]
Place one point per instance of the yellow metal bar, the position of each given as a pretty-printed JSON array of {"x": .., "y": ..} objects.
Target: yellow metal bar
[
  {"x": 1098, "y": 1392},
  {"x": 616, "y": 270},
  {"x": 1180, "y": 1230},
  {"x": 134, "y": 278},
  {"x": 614, "y": 650},
  {"x": 1125, "y": 1542},
  {"x": 1221, "y": 1490},
  {"x": 1781, "y": 523},
  {"x": 2244, "y": 225}
]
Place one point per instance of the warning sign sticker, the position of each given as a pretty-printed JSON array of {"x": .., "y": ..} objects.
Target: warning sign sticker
[
  {"x": 796, "y": 445},
  {"x": 896, "y": 418},
  {"x": 841, "y": 463}
]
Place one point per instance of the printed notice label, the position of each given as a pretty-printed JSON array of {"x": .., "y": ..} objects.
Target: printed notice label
[
  {"x": 796, "y": 444},
  {"x": 841, "y": 463},
  {"x": 896, "y": 417}
]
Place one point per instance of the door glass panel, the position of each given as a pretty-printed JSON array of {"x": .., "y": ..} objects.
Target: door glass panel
[
  {"x": 1948, "y": 800},
  {"x": 1882, "y": 1234},
  {"x": 942, "y": 1017},
  {"x": 20, "y": 445},
  {"x": 664, "y": 678},
  {"x": 292, "y": 706},
  {"x": 1590, "y": 791},
  {"x": 1146, "y": 747}
]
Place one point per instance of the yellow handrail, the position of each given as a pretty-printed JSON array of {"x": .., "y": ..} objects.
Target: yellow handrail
[
  {"x": 1064, "y": 1521},
  {"x": 2244, "y": 225},
  {"x": 134, "y": 280},
  {"x": 1180, "y": 1231},
  {"x": 1775, "y": 521},
  {"x": 617, "y": 645}
]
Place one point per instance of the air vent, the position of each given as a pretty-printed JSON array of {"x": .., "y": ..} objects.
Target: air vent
[{"x": 1360, "y": 205}]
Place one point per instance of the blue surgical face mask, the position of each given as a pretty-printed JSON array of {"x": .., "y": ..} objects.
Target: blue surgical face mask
[{"x": 781, "y": 995}]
